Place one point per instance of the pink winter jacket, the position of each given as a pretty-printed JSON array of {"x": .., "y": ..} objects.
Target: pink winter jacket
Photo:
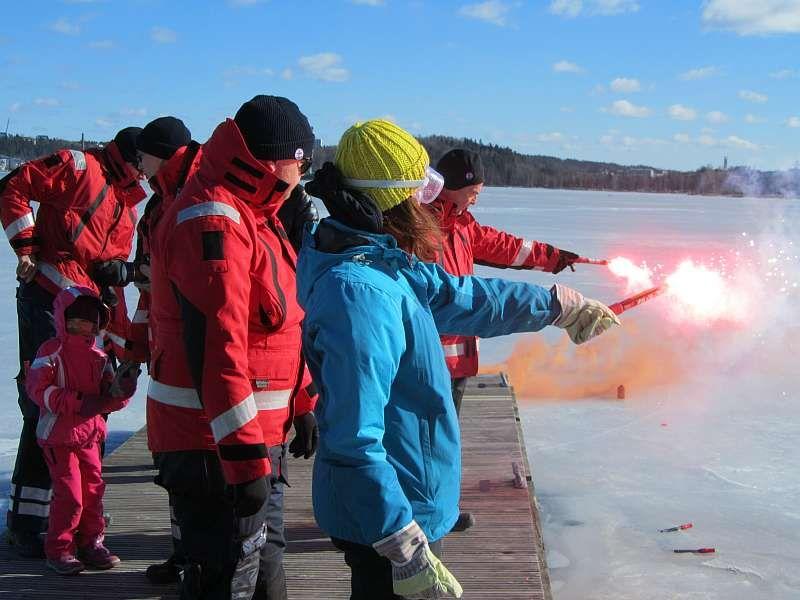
[{"x": 66, "y": 366}]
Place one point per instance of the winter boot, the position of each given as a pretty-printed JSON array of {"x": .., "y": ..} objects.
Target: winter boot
[
  {"x": 97, "y": 556},
  {"x": 26, "y": 543},
  {"x": 465, "y": 521},
  {"x": 163, "y": 573},
  {"x": 66, "y": 564}
]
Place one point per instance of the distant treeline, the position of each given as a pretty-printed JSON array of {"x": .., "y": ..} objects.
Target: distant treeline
[
  {"x": 505, "y": 167},
  {"x": 26, "y": 148}
]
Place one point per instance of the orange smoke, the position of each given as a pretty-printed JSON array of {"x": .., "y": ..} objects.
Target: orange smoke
[{"x": 634, "y": 356}]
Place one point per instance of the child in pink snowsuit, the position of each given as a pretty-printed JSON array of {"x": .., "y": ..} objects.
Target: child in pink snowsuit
[{"x": 73, "y": 383}]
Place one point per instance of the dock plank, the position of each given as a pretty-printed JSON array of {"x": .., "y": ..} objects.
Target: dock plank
[{"x": 501, "y": 557}]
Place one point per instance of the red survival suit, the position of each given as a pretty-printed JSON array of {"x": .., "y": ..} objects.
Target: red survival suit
[
  {"x": 222, "y": 261},
  {"x": 466, "y": 242},
  {"x": 86, "y": 214}
]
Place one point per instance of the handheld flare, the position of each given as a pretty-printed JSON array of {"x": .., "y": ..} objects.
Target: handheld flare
[
  {"x": 635, "y": 300},
  {"x": 582, "y": 260}
]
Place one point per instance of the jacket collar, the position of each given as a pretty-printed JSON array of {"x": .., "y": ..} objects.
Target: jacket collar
[
  {"x": 120, "y": 174},
  {"x": 227, "y": 161},
  {"x": 444, "y": 211},
  {"x": 174, "y": 172}
]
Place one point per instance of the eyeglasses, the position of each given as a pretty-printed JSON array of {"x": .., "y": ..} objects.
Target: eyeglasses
[
  {"x": 139, "y": 158},
  {"x": 304, "y": 164}
]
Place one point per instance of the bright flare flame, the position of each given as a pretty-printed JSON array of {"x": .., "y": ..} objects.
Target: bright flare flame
[
  {"x": 703, "y": 295},
  {"x": 638, "y": 278}
]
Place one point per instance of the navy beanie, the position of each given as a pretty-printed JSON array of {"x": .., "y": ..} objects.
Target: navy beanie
[
  {"x": 460, "y": 168},
  {"x": 163, "y": 136},
  {"x": 274, "y": 129}
]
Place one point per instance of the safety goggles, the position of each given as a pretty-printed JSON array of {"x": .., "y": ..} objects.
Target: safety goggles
[{"x": 426, "y": 190}]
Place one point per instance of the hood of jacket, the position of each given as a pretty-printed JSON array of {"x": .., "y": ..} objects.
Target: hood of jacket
[
  {"x": 332, "y": 243},
  {"x": 174, "y": 172},
  {"x": 226, "y": 161},
  {"x": 64, "y": 300}
]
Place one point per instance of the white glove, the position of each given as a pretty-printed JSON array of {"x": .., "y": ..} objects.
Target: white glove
[
  {"x": 416, "y": 572},
  {"x": 583, "y": 318}
]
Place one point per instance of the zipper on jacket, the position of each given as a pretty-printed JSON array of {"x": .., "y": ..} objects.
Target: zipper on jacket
[{"x": 361, "y": 259}]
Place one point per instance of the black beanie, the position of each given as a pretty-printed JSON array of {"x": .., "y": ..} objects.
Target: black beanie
[
  {"x": 126, "y": 143},
  {"x": 163, "y": 136},
  {"x": 84, "y": 307},
  {"x": 460, "y": 168},
  {"x": 274, "y": 129}
]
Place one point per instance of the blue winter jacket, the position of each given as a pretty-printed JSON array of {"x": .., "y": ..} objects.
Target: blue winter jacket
[{"x": 389, "y": 447}]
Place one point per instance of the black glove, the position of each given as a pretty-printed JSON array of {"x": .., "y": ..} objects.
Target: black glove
[
  {"x": 565, "y": 259},
  {"x": 249, "y": 497},
  {"x": 306, "y": 436},
  {"x": 113, "y": 273}
]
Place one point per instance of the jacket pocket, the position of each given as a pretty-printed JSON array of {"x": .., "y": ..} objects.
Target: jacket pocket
[{"x": 425, "y": 445}]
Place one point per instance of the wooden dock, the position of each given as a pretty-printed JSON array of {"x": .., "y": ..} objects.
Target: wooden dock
[{"x": 501, "y": 557}]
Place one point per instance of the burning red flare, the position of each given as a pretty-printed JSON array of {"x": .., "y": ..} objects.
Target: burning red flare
[{"x": 638, "y": 278}]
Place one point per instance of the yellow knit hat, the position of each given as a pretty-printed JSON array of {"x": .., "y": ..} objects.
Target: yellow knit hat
[{"x": 382, "y": 160}]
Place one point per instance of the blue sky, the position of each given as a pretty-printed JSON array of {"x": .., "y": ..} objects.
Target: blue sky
[{"x": 675, "y": 84}]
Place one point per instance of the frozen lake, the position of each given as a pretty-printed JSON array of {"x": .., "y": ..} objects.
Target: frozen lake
[{"x": 708, "y": 433}]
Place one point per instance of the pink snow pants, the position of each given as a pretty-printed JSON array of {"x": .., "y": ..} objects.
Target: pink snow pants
[{"x": 76, "y": 510}]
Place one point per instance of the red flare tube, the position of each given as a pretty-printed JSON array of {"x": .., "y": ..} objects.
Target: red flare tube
[
  {"x": 635, "y": 300},
  {"x": 582, "y": 260},
  {"x": 695, "y": 551}
]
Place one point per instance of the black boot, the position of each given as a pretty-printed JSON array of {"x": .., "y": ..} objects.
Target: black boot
[
  {"x": 465, "y": 521},
  {"x": 163, "y": 573},
  {"x": 26, "y": 544}
]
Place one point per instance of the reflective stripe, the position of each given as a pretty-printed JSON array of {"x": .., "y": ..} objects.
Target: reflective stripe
[
  {"x": 44, "y": 427},
  {"x": 25, "y": 492},
  {"x": 33, "y": 509},
  {"x": 208, "y": 209},
  {"x": 79, "y": 158},
  {"x": 53, "y": 275},
  {"x": 176, "y": 531},
  {"x": 19, "y": 225},
  {"x": 451, "y": 350},
  {"x": 173, "y": 395},
  {"x": 383, "y": 184},
  {"x": 141, "y": 316},
  {"x": 272, "y": 399},
  {"x": 87, "y": 216},
  {"x": 47, "y": 393},
  {"x": 45, "y": 361},
  {"x": 234, "y": 418},
  {"x": 119, "y": 341},
  {"x": 523, "y": 254}
]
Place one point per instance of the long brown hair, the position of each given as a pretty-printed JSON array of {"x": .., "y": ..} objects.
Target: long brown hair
[{"x": 414, "y": 228}]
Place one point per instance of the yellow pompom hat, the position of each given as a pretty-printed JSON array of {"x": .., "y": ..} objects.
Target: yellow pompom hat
[{"x": 382, "y": 160}]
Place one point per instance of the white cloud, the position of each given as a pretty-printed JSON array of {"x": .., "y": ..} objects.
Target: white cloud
[
  {"x": 69, "y": 86},
  {"x": 491, "y": 11},
  {"x": 753, "y": 17},
  {"x": 287, "y": 73},
  {"x": 101, "y": 44},
  {"x": 567, "y": 109},
  {"x": 15, "y": 107},
  {"x": 247, "y": 71},
  {"x": 47, "y": 102},
  {"x": 574, "y": 8},
  {"x": 65, "y": 26},
  {"x": 735, "y": 141},
  {"x": 699, "y": 73},
  {"x": 716, "y": 116},
  {"x": 679, "y": 112},
  {"x": 564, "y": 66},
  {"x": 706, "y": 140},
  {"x": 681, "y": 138},
  {"x": 369, "y": 2},
  {"x": 325, "y": 66},
  {"x": 133, "y": 112},
  {"x": 551, "y": 137},
  {"x": 752, "y": 96},
  {"x": 793, "y": 122},
  {"x": 163, "y": 35},
  {"x": 752, "y": 119},
  {"x": 624, "y": 108},
  {"x": 103, "y": 122},
  {"x": 625, "y": 85},
  {"x": 784, "y": 74}
]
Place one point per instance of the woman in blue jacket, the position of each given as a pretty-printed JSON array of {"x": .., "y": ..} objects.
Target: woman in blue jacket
[{"x": 387, "y": 472}]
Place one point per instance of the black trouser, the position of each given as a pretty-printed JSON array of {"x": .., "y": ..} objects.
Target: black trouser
[
  {"x": 458, "y": 386},
  {"x": 371, "y": 573},
  {"x": 29, "y": 505},
  {"x": 226, "y": 558}
]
